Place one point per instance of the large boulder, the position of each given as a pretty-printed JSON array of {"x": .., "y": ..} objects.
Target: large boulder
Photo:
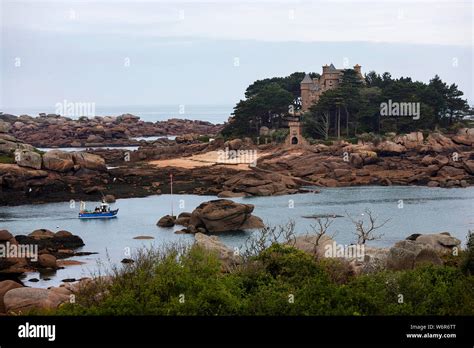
[
  {"x": 402, "y": 255},
  {"x": 224, "y": 215},
  {"x": 312, "y": 244},
  {"x": 47, "y": 261},
  {"x": 4, "y": 127},
  {"x": 183, "y": 219},
  {"x": 89, "y": 161},
  {"x": 46, "y": 239},
  {"x": 441, "y": 242},
  {"x": 166, "y": 221},
  {"x": 59, "y": 161},
  {"x": 419, "y": 249},
  {"x": 226, "y": 255},
  {"x": 26, "y": 158},
  {"x": 5, "y": 236},
  {"x": 233, "y": 144},
  {"x": 6, "y": 286},
  {"x": 411, "y": 140},
  {"x": 390, "y": 148},
  {"x": 41, "y": 234},
  {"x": 437, "y": 142},
  {"x": 23, "y": 300},
  {"x": 465, "y": 136},
  {"x": 260, "y": 184}
]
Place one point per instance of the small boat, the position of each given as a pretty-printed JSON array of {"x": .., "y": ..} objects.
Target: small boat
[{"x": 101, "y": 212}]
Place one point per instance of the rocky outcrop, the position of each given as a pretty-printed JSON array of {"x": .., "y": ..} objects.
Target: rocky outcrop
[
  {"x": 6, "y": 286},
  {"x": 58, "y": 131},
  {"x": 464, "y": 136},
  {"x": 89, "y": 161},
  {"x": 47, "y": 261},
  {"x": 9, "y": 144},
  {"x": 48, "y": 240},
  {"x": 415, "y": 251},
  {"x": 312, "y": 244},
  {"x": 223, "y": 215},
  {"x": 26, "y": 158},
  {"x": 59, "y": 161},
  {"x": 26, "y": 174},
  {"x": 255, "y": 183},
  {"x": 22, "y": 300},
  {"x": 389, "y": 148},
  {"x": 166, "y": 221},
  {"x": 419, "y": 249},
  {"x": 183, "y": 219},
  {"x": 228, "y": 257},
  {"x": 440, "y": 242}
]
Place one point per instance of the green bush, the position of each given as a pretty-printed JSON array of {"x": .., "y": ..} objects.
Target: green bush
[
  {"x": 203, "y": 138},
  {"x": 6, "y": 159},
  {"x": 281, "y": 280},
  {"x": 280, "y": 135},
  {"x": 468, "y": 259}
]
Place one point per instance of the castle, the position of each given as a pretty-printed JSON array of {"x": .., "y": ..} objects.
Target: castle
[{"x": 312, "y": 88}]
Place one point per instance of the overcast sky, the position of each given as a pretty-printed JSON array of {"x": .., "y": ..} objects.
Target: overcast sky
[{"x": 157, "y": 52}]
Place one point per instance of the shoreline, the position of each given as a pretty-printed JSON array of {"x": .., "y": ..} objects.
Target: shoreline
[{"x": 204, "y": 167}]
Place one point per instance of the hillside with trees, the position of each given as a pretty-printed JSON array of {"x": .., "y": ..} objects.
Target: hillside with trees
[{"x": 351, "y": 109}]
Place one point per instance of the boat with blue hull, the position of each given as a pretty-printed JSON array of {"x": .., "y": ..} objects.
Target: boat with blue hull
[{"x": 101, "y": 212}]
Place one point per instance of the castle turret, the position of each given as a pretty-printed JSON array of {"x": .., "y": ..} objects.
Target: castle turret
[{"x": 305, "y": 85}]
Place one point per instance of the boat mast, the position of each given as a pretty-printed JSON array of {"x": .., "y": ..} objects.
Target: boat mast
[{"x": 171, "y": 179}]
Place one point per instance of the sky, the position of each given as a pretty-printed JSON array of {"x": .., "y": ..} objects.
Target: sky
[{"x": 165, "y": 53}]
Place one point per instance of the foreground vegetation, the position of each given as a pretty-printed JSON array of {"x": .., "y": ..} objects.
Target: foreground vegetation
[{"x": 280, "y": 280}]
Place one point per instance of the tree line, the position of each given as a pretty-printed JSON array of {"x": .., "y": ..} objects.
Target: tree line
[{"x": 352, "y": 108}]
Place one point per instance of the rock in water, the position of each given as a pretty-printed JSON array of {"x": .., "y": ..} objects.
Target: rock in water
[
  {"x": 47, "y": 239},
  {"x": 183, "y": 219},
  {"x": 166, "y": 221},
  {"x": 41, "y": 234},
  {"x": 47, "y": 261},
  {"x": 5, "y": 236},
  {"x": 224, "y": 215}
]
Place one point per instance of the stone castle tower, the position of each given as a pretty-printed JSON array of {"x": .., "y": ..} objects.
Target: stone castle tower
[
  {"x": 295, "y": 136},
  {"x": 312, "y": 88}
]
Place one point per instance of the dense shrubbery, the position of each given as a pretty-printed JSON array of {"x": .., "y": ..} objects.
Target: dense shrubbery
[{"x": 190, "y": 282}]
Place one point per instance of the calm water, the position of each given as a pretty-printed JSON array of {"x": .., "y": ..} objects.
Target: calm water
[
  {"x": 152, "y": 113},
  {"x": 425, "y": 210},
  {"x": 129, "y": 148}
]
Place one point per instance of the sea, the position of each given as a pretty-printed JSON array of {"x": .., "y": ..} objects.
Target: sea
[
  {"x": 404, "y": 210},
  {"x": 215, "y": 114}
]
